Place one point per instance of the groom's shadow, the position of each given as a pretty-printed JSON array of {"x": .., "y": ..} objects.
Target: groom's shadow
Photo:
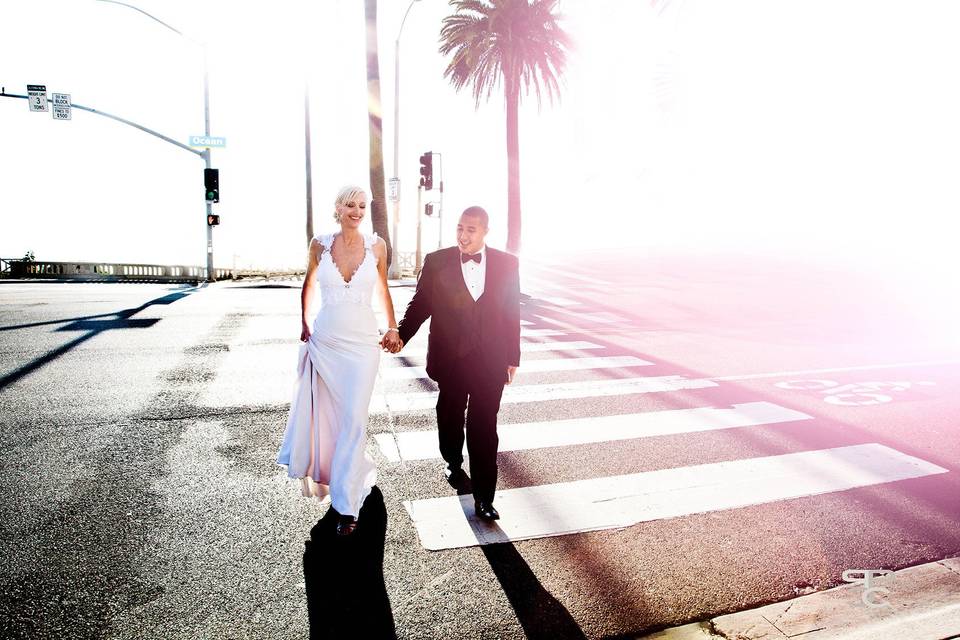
[{"x": 346, "y": 592}]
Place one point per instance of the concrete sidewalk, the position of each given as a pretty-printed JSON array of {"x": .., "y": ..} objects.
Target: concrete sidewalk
[{"x": 918, "y": 603}]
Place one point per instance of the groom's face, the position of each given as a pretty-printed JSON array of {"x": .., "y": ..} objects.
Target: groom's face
[{"x": 470, "y": 234}]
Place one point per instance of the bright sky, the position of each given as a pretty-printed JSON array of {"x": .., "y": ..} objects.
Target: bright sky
[{"x": 825, "y": 124}]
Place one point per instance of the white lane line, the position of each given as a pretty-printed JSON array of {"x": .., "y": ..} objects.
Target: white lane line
[
  {"x": 525, "y": 323},
  {"x": 424, "y": 400},
  {"x": 540, "y": 333},
  {"x": 533, "y": 366},
  {"x": 596, "y": 317},
  {"x": 422, "y": 445},
  {"x": 557, "y": 301},
  {"x": 866, "y": 367},
  {"x": 525, "y": 347},
  {"x": 569, "y": 275},
  {"x": 621, "y": 501}
]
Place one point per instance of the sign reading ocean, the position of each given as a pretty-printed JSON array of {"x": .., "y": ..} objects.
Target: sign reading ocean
[{"x": 207, "y": 141}]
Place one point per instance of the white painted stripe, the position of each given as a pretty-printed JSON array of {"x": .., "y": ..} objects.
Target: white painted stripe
[
  {"x": 533, "y": 366},
  {"x": 525, "y": 323},
  {"x": 540, "y": 392},
  {"x": 866, "y": 367},
  {"x": 525, "y": 347},
  {"x": 557, "y": 301},
  {"x": 568, "y": 274},
  {"x": 598, "y": 317},
  {"x": 622, "y": 501},
  {"x": 540, "y": 333},
  {"x": 422, "y": 445}
]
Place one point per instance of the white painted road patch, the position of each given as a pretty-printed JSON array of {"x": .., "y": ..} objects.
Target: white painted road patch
[
  {"x": 622, "y": 501},
  {"x": 422, "y": 445}
]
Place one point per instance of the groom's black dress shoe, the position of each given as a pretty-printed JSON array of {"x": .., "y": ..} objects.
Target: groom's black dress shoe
[
  {"x": 456, "y": 477},
  {"x": 485, "y": 510}
]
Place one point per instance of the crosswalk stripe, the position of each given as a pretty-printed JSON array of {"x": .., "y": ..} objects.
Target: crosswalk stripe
[
  {"x": 557, "y": 301},
  {"x": 597, "y": 317},
  {"x": 525, "y": 347},
  {"x": 622, "y": 501},
  {"x": 422, "y": 445},
  {"x": 534, "y": 366},
  {"x": 540, "y": 333},
  {"x": 420, "y": 401}
]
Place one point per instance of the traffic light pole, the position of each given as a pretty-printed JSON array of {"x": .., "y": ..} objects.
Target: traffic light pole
[
  {"x": 419, "y": 264},
  {"x": 211, "y": 275}
]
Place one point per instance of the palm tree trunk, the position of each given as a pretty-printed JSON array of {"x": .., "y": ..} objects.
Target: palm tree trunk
[
  {"x": 513, "y": 165},
  {"x": 306, "y": 150},
  {"x": 378, "y": 205}
]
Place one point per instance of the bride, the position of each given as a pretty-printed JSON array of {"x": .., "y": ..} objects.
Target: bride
[{"x": 324, "y": 444}]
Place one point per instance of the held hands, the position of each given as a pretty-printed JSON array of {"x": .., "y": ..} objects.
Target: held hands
[{"x": 391, "y": 341}]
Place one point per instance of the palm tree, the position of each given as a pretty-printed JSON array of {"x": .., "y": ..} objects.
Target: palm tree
[
  {"x": 519, "y": 41},
  {"x": 378, "y": 205}
]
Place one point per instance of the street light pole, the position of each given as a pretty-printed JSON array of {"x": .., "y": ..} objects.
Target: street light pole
[
  {"x": 211, "y": 276},
  {"x": 395, "y": 264}
]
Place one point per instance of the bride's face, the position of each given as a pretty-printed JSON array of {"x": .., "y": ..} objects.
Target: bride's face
[{"x": 352, "y": 212}]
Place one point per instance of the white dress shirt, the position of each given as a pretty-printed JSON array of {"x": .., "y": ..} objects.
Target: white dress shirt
[{"x": 475, "y": 275}]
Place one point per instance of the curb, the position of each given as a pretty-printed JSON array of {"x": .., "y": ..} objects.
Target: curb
[{"x": 917, "y": 603}]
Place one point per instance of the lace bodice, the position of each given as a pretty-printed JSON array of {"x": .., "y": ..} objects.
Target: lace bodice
[{"x": 333, "y": 288}]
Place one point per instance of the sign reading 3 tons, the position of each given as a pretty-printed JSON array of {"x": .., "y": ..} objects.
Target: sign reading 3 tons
[{"x": 207, "y": 141}]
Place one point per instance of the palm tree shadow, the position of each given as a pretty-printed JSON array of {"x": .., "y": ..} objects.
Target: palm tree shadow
[{"x": 346, "y": 591}]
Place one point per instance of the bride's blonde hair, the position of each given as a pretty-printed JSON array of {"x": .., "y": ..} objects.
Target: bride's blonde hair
[{"x": 346, "y": 194}]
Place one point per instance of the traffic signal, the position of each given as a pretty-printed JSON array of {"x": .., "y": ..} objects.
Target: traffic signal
[
  {"x": 213, "y": 220},
  {"x": 426, "y": 170},
  {"x": 211, "y": 183},
  {"x": 428, "y": 209}
]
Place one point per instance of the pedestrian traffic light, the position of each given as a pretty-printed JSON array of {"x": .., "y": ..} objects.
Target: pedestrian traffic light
[
  {"x": 428, "y": 209},
  {"x": 426, "y": 170},
  {"x": 211, "y": 183},
  {"x": 213, "y": 220}
]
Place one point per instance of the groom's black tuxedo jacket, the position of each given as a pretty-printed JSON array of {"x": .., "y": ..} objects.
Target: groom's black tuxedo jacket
[{"x": 487, "y": 329}]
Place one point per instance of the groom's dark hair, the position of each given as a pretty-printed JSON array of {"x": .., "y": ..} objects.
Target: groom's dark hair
[{"x": 480, "y": 213}]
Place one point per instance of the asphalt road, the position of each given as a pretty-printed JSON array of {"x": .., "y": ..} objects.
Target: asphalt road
[{"x": 139, "y": 425}]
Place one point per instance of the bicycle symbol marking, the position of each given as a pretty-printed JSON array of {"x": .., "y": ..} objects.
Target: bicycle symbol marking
[{"x": 855, "y": 394}]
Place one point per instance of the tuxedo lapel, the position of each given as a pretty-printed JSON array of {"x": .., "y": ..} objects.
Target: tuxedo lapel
[{"x": 452, "y": 281}]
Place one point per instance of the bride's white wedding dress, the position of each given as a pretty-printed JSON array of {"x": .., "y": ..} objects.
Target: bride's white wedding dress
[{"x": 325, "y": 440}]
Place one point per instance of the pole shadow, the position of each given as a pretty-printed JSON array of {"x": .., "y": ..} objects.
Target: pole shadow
[{"x": 93, "y": 326}]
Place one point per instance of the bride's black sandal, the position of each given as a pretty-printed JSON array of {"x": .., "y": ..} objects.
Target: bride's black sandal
[{"x": 346, "y": 525}]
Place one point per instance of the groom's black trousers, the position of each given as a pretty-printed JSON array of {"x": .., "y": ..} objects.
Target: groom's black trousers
[{"x": 468, "y": 389}]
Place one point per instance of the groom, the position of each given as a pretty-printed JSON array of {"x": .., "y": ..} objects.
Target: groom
[{"x": 472, "y": 295}]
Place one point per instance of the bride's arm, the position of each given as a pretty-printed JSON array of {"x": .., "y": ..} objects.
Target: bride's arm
[
  {"x": 380, "y": 250},
  {"x": 309, "y": 280}
]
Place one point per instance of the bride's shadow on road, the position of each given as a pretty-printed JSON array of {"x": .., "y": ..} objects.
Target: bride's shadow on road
[{"x": 346, "y": 592}]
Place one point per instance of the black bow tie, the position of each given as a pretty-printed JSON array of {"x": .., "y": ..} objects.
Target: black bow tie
[{"x": 466, "y": 257}]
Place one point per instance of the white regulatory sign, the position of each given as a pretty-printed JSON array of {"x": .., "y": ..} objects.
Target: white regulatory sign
[
  {"x": 37, "y": 97},
  {"x": 61, "y": 106},
  {"x": 394, "y": 186}
]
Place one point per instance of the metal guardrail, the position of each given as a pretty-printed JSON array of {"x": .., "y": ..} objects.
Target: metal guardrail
[{"x": 107, "y": 271}]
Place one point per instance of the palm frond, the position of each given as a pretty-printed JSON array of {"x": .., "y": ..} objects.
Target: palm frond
[{"x": 518, "y": 42}]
